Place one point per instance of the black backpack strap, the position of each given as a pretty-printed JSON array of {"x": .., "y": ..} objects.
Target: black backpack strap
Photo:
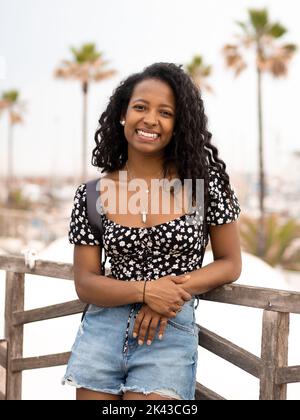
[
  {"x": 94, "y": 217},
  {"x": 93, "y": 213},
  {"x": 95, "y": 220}
]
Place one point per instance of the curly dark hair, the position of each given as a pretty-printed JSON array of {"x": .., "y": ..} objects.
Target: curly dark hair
[{"x": 190, "y": 148}]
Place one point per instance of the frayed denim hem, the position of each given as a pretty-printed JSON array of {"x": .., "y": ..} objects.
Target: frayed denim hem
[
  {"x": 71, "y": 381},
  {"x": 163, "y": 391}
]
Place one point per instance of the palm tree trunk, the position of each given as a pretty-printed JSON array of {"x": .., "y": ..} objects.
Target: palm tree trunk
[
  {"x": 84, "y": 132},
  {"x": 261, "y": 230},
  {"x": 10, "y": 174}
]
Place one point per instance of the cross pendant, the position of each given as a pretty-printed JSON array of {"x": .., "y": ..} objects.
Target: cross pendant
[
  {"x": 144, "y": 212},
  {"x": 144, "y": 216}
]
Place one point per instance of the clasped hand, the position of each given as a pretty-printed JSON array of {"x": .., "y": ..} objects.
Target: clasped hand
[
  {"x": 163, "y": 299},
  {"x": 167, "y": 294}
]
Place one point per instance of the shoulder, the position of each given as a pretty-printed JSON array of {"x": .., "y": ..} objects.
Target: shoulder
[
  {"x": 81, "y": 189},
  {"x": 215, "y": 181},
  {"x": 213, "y": 173},
  {"x": 223, "y": 203},
  {"x": 80, "y": 194},
  {"x": 80, "y": 230}
]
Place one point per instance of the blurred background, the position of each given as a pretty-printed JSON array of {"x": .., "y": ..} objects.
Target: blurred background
[{"x": 60, "y": 60}]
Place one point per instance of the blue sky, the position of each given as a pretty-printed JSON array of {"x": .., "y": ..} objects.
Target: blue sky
[{"x": 36, "y": 35}]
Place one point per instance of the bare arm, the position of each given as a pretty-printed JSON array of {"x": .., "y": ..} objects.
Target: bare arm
[
  {"x": 227, "y": 264},
  {"x": 92, "y": 287},
  {"x": 164, "y": 294}
]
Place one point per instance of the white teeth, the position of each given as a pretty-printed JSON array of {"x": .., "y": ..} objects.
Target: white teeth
[{"x": 149, "y": 135}]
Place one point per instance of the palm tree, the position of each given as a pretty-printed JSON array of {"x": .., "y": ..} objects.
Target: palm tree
[
  {"x": 261, "y": 35},
  {"x": 87, "y": 66},
  {"x": 10, "y": 102},
  {"x": 199, "y": 72},
  {"x": 282, "y": 245}
]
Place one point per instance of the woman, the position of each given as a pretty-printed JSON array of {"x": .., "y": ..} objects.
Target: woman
[{"x": 139, "y": 339}]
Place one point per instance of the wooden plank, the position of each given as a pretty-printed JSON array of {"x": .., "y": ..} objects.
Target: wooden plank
[
  {"x": 48, "y": 312},
  {"x": 14, "y": 301},
  {"x": 230, "y": 352},
  {"x": 2, "y": 396},
  {"x": 270, "y": 299},
  {"x": 203, "y": 393},
  {"x": 3, "y": 353},
  {"x": 42, "y": 267},
  {"x": 40, "y": 361},
  {"x": 274, "y": 354},
  {"x": 256, "y": 297},
  {"x": 288, "y": 375}
]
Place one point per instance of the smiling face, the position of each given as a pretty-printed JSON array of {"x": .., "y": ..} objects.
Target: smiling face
[{"x": 150, "y": 116}]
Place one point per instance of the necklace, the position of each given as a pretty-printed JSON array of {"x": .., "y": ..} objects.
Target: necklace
[{"x": 144, "y": 211}]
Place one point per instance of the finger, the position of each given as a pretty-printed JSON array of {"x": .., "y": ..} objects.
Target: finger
[
  {"x": 180, "y": 279},
  {"x": 137, "y": 324},
  {"x": 176, "y": 308},
  {"x": 143, "y": 329},
  {"x": 185, "y": 296},
  {"x": 152, "y": 330},
  {"x": 162, "y": 327},
  {"x": 180, "y": 302}
]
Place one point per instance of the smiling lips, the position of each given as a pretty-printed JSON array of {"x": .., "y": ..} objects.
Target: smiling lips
[{"x": 147, "y": 135}]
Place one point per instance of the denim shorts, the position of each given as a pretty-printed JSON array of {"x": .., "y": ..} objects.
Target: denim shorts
[{"x": 167, "y": 367}]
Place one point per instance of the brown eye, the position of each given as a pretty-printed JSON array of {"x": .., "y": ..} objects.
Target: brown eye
[
  {"x": 166, "y": 113},
  {"x": 138, "y": 107}
]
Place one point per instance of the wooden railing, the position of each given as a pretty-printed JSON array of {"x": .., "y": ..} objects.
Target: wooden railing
[{"x": 271, "y": 368}]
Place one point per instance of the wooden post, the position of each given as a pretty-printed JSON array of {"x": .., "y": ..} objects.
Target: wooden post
[
  {"x": 274, "y": 354},
  {"x": 3, "y": 367},
  {"x": 14, "y": 301}
]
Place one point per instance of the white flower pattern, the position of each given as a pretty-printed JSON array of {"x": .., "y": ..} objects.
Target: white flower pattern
[{"x": 152, "y": 252}]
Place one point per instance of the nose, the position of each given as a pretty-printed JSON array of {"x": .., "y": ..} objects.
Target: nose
[{"x": 150, "y": 118}]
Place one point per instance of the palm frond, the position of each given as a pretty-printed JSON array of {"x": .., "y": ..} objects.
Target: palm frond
[
  {"x": 4, "y": 104},
  {"x": 88, "y": 66},
  {"x": 87, "y": 53},
  {"x": 15, "y": 117},
  {"x": 276, "y": 59},
  {"x": 10, "y": 96},
  {"x": 276, "y": 30},
  {"x": 199, "y": 72},
  {"x": 258, "y": 18},
  {"x": 292, "y": 260},
  {"x": 10, "y": 102},
  {"x": 243, "y": 26},
  {"x": 233, "y": 58},
  {"x": 280, "y": 235}
]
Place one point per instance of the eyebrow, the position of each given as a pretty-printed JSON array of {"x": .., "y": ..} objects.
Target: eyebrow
[{"x": 143, "y": 100}]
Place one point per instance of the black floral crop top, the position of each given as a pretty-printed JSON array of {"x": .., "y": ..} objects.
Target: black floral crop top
[{"x": 139, "y": 253}]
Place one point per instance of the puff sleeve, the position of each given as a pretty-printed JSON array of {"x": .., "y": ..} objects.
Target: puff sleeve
[
  {"x": 80, "y": 231},
  {"x": 221, "y": 209}
]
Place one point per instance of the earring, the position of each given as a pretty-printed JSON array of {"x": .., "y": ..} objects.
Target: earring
[{"x": 122, "y": 122}]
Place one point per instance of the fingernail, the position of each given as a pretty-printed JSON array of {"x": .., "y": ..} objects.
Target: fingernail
[
  {"x": 140, "y": 342},
  {"x": 187, "y": 277},
  {"x": 134, "y": 335},
  {"x": 149, "y": 342},
  {"x": 160, "y": 337}
]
